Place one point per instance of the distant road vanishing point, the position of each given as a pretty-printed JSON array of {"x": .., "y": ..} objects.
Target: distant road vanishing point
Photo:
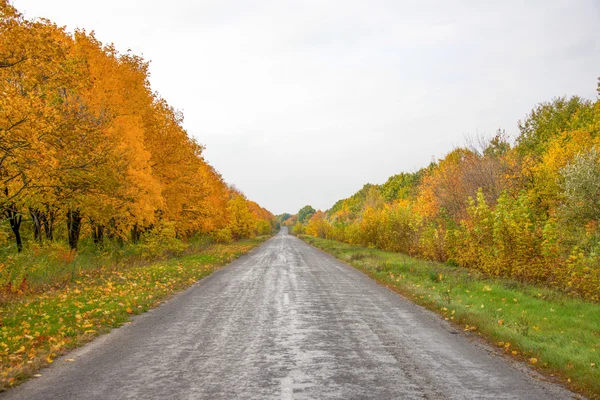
[{"x": 286, "y": 321}]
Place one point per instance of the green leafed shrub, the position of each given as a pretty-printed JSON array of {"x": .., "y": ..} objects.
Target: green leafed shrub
[{"x": 161, "y": 240}]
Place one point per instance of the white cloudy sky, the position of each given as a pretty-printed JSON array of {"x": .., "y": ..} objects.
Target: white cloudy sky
[{"x": 302, "y": 102}]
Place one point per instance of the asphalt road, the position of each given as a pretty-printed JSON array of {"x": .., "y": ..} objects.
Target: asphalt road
[{"x": 286, "y": 321}]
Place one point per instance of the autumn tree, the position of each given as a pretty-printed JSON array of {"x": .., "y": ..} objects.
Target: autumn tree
[
  {"x": 305, "y": 213},
  {"x": 37, "y": 72},
  {"x": 546, "y": 121},
  {"x": 85, "y": 141}
]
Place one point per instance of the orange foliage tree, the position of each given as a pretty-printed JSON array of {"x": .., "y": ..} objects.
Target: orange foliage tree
[{"x": 86, "y": 142}]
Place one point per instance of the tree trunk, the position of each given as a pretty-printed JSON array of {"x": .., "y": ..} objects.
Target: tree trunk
[
  {"x": 73, "y": 227},
  {"x": 48, "y": 223},
  {"x": 15, "y": 219},
  {"x": 135, "y": 234},
  {"x": 113, "y": 234},
  {"x": 111, "y": 230},
  {"x": 98, "y": 234},
  {"x": 36, "y": 218}
]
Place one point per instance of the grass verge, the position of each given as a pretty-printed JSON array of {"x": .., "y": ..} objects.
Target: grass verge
[
  {"x": 558, "y": 335},
  {"x": 38, "y": 327}
]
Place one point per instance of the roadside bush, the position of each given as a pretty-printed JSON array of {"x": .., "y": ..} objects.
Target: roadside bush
[
  {"x": 432, "y": 244},
  {"x": 318, "y": 226},
  {"x": 263, "y": 228},
  {"x": 337, "y": 232},
  {"x": 37, "y": 264},
  {"x": 399, "y": 234},
  {"x": 475, "y": 236},
  {"x": 223, "y": 236},
  {"x": 161, "y": 240},
  {"x": 371, "y": 230},
  {"x": 298, "y": 229}
]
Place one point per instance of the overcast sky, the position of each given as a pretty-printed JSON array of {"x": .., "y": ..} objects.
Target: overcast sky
[{"x": 303, "y": 102}]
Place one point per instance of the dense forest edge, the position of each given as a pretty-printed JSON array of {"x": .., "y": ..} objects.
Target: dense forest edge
[
  {"x": 526, "y": 209},
  {"x": 94, "y": 163}
]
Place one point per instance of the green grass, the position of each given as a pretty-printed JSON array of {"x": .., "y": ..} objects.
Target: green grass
[
  {"x": 37, "y": 326},
  {"x": 558, "y": 335},
  {"x": 53, "y": 263}
]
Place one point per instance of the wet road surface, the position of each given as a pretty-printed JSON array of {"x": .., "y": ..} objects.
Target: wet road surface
[{"x": 286, "y": 321}]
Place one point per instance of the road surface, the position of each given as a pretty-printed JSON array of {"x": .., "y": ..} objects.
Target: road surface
[{"x": 286, "y": 321}]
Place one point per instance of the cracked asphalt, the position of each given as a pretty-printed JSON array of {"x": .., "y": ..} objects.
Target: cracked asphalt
[{"x": 286, "y": 321}]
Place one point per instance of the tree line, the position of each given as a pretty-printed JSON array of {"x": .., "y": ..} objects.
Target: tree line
[
  {"x": 526, "y": 209},
  {"x": 87, "y": 148}
]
